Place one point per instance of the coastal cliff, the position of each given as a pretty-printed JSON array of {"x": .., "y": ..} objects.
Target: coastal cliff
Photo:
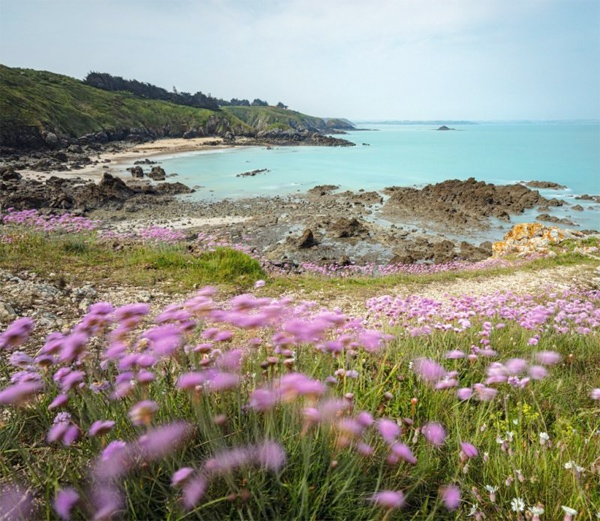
[{"x": 43, "y": 110}]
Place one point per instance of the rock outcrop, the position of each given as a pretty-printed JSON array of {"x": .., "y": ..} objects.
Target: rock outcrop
[{"x": 531, "y": 238}]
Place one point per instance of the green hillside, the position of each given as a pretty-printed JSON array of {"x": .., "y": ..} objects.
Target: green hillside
[{"x": 32, "y": 102}]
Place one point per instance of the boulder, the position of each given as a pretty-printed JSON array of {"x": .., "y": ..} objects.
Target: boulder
[
  {"x": 344, "y": 228},
  {"x": 157, "y": 173},
  {"x": 530, "y": 238},
  {"x": 137, "y": 172},
  {"x": 307, "y": 240}
]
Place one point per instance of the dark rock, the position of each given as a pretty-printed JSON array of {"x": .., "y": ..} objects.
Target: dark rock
[
  {"x": 553, "y": 219},
  {"x": 252, "y": 173},
  {"x": 545, "y": 185},
  {"x": 344, "y": 228},
  {"x": 307, "y": 240},
  {"x": 137, "y": 172},
  {"x": 7, "y": 173},
  {"x": 145, "y": 162},
  {"x": 157, "y": 173},
  {"x": 577, "y": 208}
]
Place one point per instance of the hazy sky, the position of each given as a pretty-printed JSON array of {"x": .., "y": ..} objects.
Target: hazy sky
[{"x": 361, "y": 59}]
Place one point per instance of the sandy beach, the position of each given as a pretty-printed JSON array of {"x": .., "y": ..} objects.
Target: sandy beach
[{"x": 112, "y": 159}]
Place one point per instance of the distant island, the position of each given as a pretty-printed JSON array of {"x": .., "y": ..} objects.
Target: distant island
[{"x": 43, "y": 110}]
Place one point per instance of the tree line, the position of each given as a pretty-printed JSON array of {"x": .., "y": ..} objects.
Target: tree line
[{"x": 105, "y": 81}]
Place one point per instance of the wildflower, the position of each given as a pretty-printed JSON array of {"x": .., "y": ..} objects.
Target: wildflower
[
  {"x": 429, "y": 370},
  {"x": 63, "y": 431},
  {"x": 469, "y": 450},
  {"x": 263, "y": 399},
  {"x": 548, "y": 357},
  {"x": 517, "y": 504},
  {"x": 15, "y": 503},
  {"x": 434, "y": 433},
  {"x": 544, "y": 438},
  {"x": 17, "y": 333},
  {"x": 100, "y": 427},
  {"x": 20, "y": 393},
  {"x": 193, "y": 491},
  {"x": 163, "y": 440},
  {"x": 450, "y": 495},
  {"x": 142, "y": 412},
  {"x": 107, "y": 501},
  {"x": 114, "y": 461},
  {"x": 259, "y": 284},
  {"x": 270, "y": 455},
  {"x": 465, "y": 393},
  {"x": 59, "y": 401},
  {"x": 388, "y": 499},
  {"x": 492, "y": 491},
  {"x": 403, "y": 452},
  {"x": 64, "y": 502},
  {"x": 181, "y": 476},
  {"x": 595, "y": 394},
  {"x": 536, "y": 511},
  {"x": 570, "y": 513},
  {"x": 388, "y": 429}
]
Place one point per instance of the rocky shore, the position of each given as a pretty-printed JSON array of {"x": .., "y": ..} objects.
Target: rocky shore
[{"x": 323, "y": 226}]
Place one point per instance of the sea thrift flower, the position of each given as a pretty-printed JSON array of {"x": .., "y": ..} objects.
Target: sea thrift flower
[
  {"x": 59, "y": 401},
  {"x": 16, "y": 503},
  {"x": 107, "y": 501},
  {"x": 429, "y": 370},
  {"x": 163, "y": 440},
  {"x": 17, "y": 333},
  {"x": 467, "y": 451},
  {"x": 434, "y": 433},
  {"x": 114, "y": 461},
  {"x": 270, "y": 455},
  {"x": 181, "y": 476},
  {"x": 465, "y": 393},
  {"x": 548, "y": 357},
  {"x": 100, "y": 427},
  {"x": 595, "y": 394},
  {"x": 65, "y": 501},
  {"x": 193, "y": 491},
  {"x": 389, "y": 430},
  {"x": 388, "y": 499},
  {"x": 142, "y": 412},
  {"x": 450, "y": 497},
  {"x": 403, "y": 452},
  {"x": 20, "y": 393}
]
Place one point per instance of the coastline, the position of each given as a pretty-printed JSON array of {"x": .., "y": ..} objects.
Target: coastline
[{"x": 126, "y": 153}]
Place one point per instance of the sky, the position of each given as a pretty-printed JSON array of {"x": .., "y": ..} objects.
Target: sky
[{"x": 358, "y": 59}]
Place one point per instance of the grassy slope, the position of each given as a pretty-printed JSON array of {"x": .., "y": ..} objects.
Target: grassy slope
[{"x": 66, "y": 106}]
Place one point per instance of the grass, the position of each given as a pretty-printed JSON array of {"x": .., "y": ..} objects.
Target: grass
[
  {"x": 46, "y": 101},
  {"x": 83, "y": 257},
  {"x": 537, "y": 441}
]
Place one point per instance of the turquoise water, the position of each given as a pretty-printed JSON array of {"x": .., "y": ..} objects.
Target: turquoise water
[{"x": 408, "y": 155}]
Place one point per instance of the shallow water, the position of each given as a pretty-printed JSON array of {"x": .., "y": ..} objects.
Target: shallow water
[{"x": 411, "y": 155}]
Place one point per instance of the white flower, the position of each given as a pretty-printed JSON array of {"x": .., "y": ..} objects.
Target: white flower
[
  {"x": 544, "y": 438},
  {"x": 518, "y": 505},
  {"x": 536, "y": 511},
  {"x": 510, "y": 435},
  {"x": 473, "y": 510},
  {"x": 569, "y": 510},
  {"x": 491, "y": 489}
]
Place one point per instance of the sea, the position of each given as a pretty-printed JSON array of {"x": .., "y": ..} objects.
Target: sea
[{"x": 412, "y": 154}]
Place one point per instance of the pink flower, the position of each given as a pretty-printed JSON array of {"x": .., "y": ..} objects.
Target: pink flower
[
  {"x": 450, "y": 497},
  {"x": 429, "y": 370},
  {"x": 17, "y": 333},
  {"x": 181, "y": 476},
  {"x": 64, "y": 502},
  {"x": 193, "y": 491},
  {"x": 389, "y": 430},
  {"x": 388, "y": 499},
  {"x": 20, "y": 393},
  {"x": 142, "y": 412},
  {"x": 595, "y": 394},
  {"x": 548, "y": 357},
  {"x": 270, "y": 455},
  {"x": 464, "y": 393},
  {"x": 163, "y": 440},
  {"x": 403, "y": 452},
  {"x": 469, "y": 450},
  {"x": 100, "y": 427},
  {"x": 434, "y": 433}
]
